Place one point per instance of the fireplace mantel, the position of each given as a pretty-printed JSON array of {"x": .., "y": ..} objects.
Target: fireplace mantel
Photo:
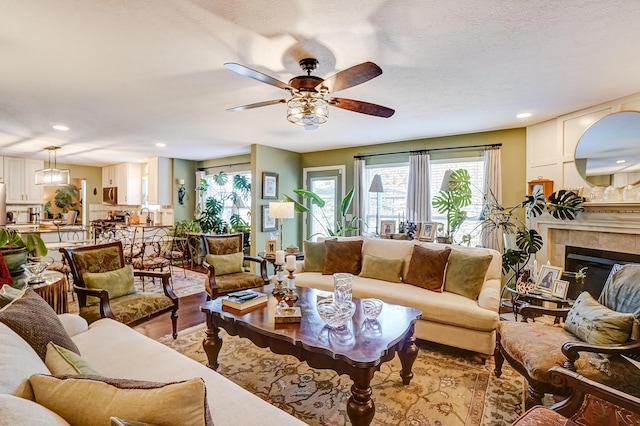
[{"x": 605, "y": 226}]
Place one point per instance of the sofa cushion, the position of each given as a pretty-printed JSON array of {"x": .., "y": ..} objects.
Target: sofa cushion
[
  {"x": 466, "y": 273},
  {"x": 617, "y": 294},
  {"x": 118, "y": 283},
  {"x": 381, "y": 268},
  {"x": 62, "y": 361},
  {"x": 226, "y": 263},
  {"x": 117, "y": 421},
  {"x": 594, "y": 323},
  {"x": 35, "y": 321},
  {"x": 182, "y": 403},
  {"x": 390, "y": 249},
  {"x": 313, "y": 256},
  {"x": 130, "y": 308},
  {"x": 23, "y": 412},
  {"x": 8, "y": 294},
  {"x": 427, "y": 268},
  {"x": 342, "y": 256}
]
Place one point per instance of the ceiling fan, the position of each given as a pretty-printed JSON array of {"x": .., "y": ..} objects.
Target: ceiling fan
[{"x": 308, "y": 105}]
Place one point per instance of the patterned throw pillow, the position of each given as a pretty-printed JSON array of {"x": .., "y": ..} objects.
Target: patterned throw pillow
[
  {"x": 313, "y": 256},
  {"x": 226, "y": 263},
  {"x": 118, "y": 283},
  {"x": 594, "y": 323},
  {"x": 381, "y": 268},
  {"x": 427, "y": 268},
  {"x": 36, "y": 322},
  {"x": 342, "y": 256},
  {"x": 466, "y": 272}
]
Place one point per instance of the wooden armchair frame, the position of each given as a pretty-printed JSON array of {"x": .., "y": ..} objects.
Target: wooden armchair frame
[
  {"x": 215, "y": 290},
  {"x": 105, "y": 306}
]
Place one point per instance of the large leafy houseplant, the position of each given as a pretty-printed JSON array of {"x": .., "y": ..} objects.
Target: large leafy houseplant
[
  {"x": 210, "y": 218},
  {"x": 453, "y": 198},
  {"x": 341, "y": 227},
  {"x": 16, "y": 246},
  {"x": 67, "y": 198}
]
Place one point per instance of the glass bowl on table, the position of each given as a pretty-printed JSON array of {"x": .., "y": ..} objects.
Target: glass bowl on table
[
  {"x": 335, "y": 315},
  {"x": 35, "y": 266},
  {"x": 371, "y": 308}
]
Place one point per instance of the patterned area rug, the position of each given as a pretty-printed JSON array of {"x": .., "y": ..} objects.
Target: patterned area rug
[
  {"x": 450, "y": 386},
  {"x": 185, "y": 283}
]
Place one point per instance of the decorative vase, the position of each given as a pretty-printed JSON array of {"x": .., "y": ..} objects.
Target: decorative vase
[{"x": 342, "y": 285}]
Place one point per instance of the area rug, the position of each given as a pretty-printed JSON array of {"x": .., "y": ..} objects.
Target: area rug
[
  {"x": 184, "y": 281},
  {"x": 449, "y": 387}
]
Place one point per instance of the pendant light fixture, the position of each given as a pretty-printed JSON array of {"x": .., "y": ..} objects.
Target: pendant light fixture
[{"x": 52, "y": 175}]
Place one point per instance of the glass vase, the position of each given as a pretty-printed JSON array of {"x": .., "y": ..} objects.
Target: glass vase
[{"x": 342, "y": 285}]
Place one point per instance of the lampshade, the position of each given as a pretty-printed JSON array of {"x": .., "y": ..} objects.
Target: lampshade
[
  {"x": 445, "y": 180},
  {"x": 376, "y": 184},
  {"x": 52, "y": 175},
  {"x": 281, "y": 210},
  {"x": 307, "y": 109}
]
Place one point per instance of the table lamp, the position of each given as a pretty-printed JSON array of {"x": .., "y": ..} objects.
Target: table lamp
[
  {"x": 376, "y": 187},
  {"x": 281, "y": 210}
]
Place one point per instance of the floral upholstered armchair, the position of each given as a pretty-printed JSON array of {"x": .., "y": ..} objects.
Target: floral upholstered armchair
[
  {"x": 601, "y": 331},
  {"x": 106, "y": 288},
  {"x": 225, "y": 263}
]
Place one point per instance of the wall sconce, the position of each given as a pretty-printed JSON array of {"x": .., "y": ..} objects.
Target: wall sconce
[{"x": 181, "y": 191}]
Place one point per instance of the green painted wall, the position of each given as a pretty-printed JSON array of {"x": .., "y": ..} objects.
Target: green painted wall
[
  {"x": 184, "y": 169},
  {"x": 93, "y": 175}
]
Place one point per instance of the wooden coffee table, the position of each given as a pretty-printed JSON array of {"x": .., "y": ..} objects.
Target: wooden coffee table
[{"x": 358, "y": 352}]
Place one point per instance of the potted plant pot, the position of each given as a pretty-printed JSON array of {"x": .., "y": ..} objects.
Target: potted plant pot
[{"x": 15, "y": 258}]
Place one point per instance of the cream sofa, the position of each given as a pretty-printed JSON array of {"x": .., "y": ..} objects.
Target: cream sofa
[
  {"x": 447, "y": 318},
  {"x": 117, "y": 351}
]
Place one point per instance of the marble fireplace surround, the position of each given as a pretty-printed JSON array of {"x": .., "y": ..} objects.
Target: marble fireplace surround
[{"x": 604, "y": 226}]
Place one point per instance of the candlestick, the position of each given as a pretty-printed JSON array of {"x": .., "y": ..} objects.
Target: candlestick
[
  {"x": 278, "y": 289},
  {"x": 279, "y": 257}
]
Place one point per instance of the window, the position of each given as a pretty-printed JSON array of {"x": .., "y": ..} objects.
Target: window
[
  {"x": 242, "y": 208},
  {"x": 393, "y": 201}
]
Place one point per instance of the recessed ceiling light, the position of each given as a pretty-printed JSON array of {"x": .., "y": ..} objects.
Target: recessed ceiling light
[
  {"x": 621, "y": 161},
  {"x": 161, "y": 144},
  {"x": 524, "y": 115},
  {"x": 60, "y": 127}
]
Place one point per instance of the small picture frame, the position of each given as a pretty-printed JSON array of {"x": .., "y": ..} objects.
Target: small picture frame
[
  {"x": 270, "y": 248},
  {"x": 547, "y": 277},
  {"x": 268, "y": 223},
  {"x": 560, "y": 289},
  {"x": 427, "y": 231},
  {"x": 269, "y": 186},
  {"x": 387, "y": 227}
]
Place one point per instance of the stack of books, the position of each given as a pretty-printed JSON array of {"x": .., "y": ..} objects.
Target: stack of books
[{"x": 245, "y": 299}]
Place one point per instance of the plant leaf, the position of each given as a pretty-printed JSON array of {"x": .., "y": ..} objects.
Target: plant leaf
[{"x": 300, "y": 208}]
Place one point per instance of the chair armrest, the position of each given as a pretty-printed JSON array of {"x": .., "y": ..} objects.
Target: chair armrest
[
  {"x": 580, "y": 386},
  {"x": 528, "y": 310},
  {"x": 103, "y": 295},
  {"x": 164, "y": 277},
  {"x": 572, "y": 350},
  {"x": 263, "y": 266}
]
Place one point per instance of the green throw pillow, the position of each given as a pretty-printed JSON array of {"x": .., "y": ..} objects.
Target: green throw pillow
[
  {"x": 466, "y": 272},
  {"x": 313, "y": 256},
  {"x": 63, "y": 361},
  {"x": 381, "y": 268},
  {"x": 226, "y": 263},
  {"x": 594, "y": 323},
  {"x": 118, "y": 283},
  {"x": 7, "y": 294}
]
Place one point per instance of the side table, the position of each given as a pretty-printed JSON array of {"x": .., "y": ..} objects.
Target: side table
[
  {"x": 54, "y": 291},
  {"x": 272, "y": 259},
  {"x": 518, "y": 298}
]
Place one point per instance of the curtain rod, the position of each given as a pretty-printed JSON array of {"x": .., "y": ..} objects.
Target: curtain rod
[
  {"x": 202, "y": 169},
  {"x": 418, "y": 151}
]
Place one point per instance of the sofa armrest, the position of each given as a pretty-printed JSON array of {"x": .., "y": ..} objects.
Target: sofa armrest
[
  {"x": 73, "y": 324},
  {"x": 489, "y": 297},
  {"x": 299, "y": 266}
]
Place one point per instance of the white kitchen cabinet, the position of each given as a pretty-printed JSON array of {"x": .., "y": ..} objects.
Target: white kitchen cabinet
[
  {"x": 20, "y": 181},
  {"x": 1, "y": 169},
  {"x": 159, "y": 181},
  {"x": 129, "y": 178},
  {"x": 109, "y": 176}
]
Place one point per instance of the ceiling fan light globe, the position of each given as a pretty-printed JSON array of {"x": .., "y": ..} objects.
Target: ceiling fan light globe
[{"x": 307, "y": 109}]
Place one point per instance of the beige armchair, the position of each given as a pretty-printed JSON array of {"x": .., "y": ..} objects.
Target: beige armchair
[{"x": 225, "y": 263}]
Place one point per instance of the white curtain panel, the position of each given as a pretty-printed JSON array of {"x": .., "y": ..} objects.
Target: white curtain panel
[
  {"x": 492, "y": 182},
  {"x": 418, "y": 189},
  {"x": 358, "y": 204}
]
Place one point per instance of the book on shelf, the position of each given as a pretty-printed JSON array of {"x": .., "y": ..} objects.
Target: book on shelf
[{"x": 244, "y": 299}]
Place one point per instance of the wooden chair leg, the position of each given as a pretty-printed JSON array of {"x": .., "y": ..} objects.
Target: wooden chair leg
[
  {"x": 498, "y": 358},
  {"x": 534, "y": 397},
  {"x": 174, "y": 322}
]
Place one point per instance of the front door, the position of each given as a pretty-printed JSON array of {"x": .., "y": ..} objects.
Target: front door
[{"x": 328, "y": 183}]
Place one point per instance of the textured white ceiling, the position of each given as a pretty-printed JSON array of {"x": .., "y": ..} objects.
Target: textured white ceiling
[{"x": 126, "y": 74}]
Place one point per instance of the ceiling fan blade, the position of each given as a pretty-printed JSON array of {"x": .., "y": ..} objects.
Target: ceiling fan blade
[
  {"x": 362, "y": 107},
  {"x": 257, "y": 105},
  {"x": 256, "y": 75},
  {"x": 350, "y": 77}
]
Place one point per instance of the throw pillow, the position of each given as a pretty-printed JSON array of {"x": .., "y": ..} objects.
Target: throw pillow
[
  {"x": 427, "y": 268},
  {"x": 594, "y": 323},
  {"x": 226, "y": 263},
  {"x": 63, "y": 361},
  {"x": 20, "y": 411},
  {"x": 36, "y": 322},
  {"x": 118, "y": 283},
  {"x": 382, "y": 268},
  {"x": 465, "y": 273},
  {"x": 8, "y": 294},
  {"x": 342, "y": 256},
  {"x": 116, "y": 421},
  {"x": 176, "y": 403},
  {"x": 313, "y": 256}
]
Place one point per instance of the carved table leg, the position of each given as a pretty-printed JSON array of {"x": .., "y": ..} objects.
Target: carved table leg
[
  {"x": 408, "y": 354},
  {"x": 212, "y": 343},
  {"x": 360, "y": 406}
]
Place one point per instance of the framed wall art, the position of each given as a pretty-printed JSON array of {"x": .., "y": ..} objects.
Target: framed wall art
[
  {"x": 547, "y": 277},
  {"x": 268, "y": 223},
  {"x": 427, "y": 231},
  {"x": 387, "y": 227},
  {"x": 269, "y": 186},
  {"x": 270, "y": 248},
  {"x": 560, "y": 289}
]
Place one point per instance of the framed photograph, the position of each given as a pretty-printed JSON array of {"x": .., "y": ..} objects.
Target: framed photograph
[
  {"x": 270, "y": 248},
  {"x": 268, "y": 223},
  {"x": 269, "y": 186},
  {"x": 547, "y": 276},
  {"x": 560, "y": 288},
  {"x": 387, "y": 227},
  {"x": 427, "y": 231}
]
